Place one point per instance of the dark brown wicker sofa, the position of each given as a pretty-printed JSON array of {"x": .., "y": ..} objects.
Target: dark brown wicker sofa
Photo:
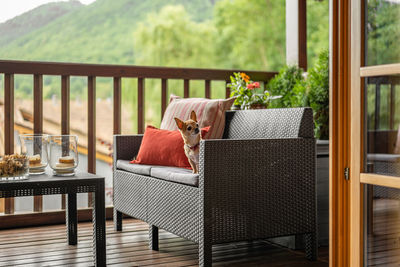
[{"x": 255, "y": 183}]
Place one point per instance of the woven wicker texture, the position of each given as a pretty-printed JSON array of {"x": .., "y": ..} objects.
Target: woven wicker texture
[
  {"x": 130, "y": 194},
  {"x": 269, "y": 123},
  {"x": 260, "y": 188},
  {"x": 174, "y": 207},
  {"x": 257, "y": 183},
  {"x": 126, "y": 146}
]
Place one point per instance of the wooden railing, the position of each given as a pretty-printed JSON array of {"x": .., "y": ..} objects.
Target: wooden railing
[{"x": 91, "y": 71}]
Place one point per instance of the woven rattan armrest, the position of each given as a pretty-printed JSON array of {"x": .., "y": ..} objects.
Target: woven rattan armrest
[
  {"x": 126, "y": 146},
  {"x": 225, "y": 160}
]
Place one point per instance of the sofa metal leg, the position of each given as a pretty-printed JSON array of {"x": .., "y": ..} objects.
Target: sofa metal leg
[
  {"x": 117, "y": 220},
  {"x": 311, "y": 244},
  {"x": 153, "y": 237},
  {"x": 205, "y": 254}
]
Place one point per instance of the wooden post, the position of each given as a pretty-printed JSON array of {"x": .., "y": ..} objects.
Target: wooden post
[
  {"x": 296, "y": 33},
  {"x": 38, "y": 125},
  {"x": 164, "y": 88},
  {"x": 140, "y": 105},
  {"x": 186, "y": 88},
  {"x": 65, "y": 113},
  {"x": 91, "y": 130},
  {"x": 117, "y": 105},
  {"x": 9, "y": 128},
  {"x": 207, "y": 88}
]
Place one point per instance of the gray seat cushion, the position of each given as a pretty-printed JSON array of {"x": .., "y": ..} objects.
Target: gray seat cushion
[
  {"x": 134, "y": 168},
  {"x": 173, "y": 174}
]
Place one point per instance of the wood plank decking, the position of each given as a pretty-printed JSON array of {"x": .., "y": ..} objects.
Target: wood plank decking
[{"x": 47, "y": 246}]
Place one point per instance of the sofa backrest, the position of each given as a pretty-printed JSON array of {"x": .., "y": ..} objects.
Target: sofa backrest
[{"x": 269, "y": 123}]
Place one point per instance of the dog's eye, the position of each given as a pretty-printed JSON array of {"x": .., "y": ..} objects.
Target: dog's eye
[
  {"x": 189, "y": 128},
  {"x": 197, "y": 126}
]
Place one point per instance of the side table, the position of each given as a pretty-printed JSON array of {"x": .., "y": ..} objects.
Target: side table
[{"x": 47, "y": 184}]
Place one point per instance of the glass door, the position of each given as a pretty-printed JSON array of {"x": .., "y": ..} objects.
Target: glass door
[{"x": 375, "y": 133}]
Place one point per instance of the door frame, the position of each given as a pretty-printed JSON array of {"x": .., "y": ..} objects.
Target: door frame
[{"x": 347, "y": 74}]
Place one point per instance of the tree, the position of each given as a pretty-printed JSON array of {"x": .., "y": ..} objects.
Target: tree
[{"x": 251, "y": 34}]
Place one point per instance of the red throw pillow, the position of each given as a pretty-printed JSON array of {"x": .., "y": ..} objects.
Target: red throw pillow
[{"x": 163, "y": 147}]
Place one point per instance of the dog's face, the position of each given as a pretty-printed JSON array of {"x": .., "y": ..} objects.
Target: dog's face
[{"x": 189, "y": 127}]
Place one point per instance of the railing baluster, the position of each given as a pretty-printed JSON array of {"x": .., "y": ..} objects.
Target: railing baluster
[
  {"x": 227, "y": 90},
  {"x": 91, "y": 130},
  {"x": 140, "y": 105},
  {"x": 392, "y": 106},
  {"x": 207, "y": 88},
  {"x": 164, "y": 88},
  {"x": 38, "y": 125},
  {"x": 186, "y": 88},
  {"x": 377, "y": 106},
  {"x": 65, "y": 114},
  {"x": 117, "y": 106},
  {"x": 9, "y": 128}
]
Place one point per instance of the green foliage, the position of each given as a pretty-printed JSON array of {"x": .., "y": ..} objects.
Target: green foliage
[
  {"x": 286, "y": 84},
  {"x": 317, "y": 29},
  {"x": 251, "y": 34},
  {"x": 317, "y": 86},
  {"x": 171, "y": 38},
  {"x": 383, "y": 32},
  {"x": 35, "y": 19}
]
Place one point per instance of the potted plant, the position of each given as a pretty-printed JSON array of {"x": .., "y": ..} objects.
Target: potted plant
[{"x": 249, "y": 94}]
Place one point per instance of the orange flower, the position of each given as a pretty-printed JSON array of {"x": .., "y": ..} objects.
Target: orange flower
[{"x": 245, "y": 77}]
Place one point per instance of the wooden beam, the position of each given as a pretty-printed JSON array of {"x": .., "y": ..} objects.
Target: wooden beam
[
  {"x": 207, "y": 88},
  {"x": 141, "y": 105},
  {"x": 227, "y": 90},
  {"x": 92, "y": 124},
  {"x": 117, "y": 105},
  {"x": 302, "y": 29},
  {"x": 164, "y": 89},
  {"x": 46, "y": 218},
  {"x": 65, "y": 115},
  {"x": 38, "y": 125},
  {"x": 65, "y": 104},
  {"x": 186, "y": 89},
  {"x": 380, "y": 70},
  {"x": 296, "y": 33},
  {"x": 9, "y": 129},
  {"x": 124, "y": 71},
  {"x": 91, "y": 130}
]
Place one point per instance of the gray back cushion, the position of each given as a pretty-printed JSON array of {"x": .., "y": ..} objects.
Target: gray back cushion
[{"x": 269, "y": 123}]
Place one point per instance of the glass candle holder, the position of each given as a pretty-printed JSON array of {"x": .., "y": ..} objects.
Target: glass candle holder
[
  {"x": 34, "y": 146},
  {"x": 63, "y": 154}
]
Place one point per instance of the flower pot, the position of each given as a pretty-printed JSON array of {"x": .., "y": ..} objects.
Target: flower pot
[
  {"x": 258, "y": 106},
  {"x": 235, "y": 107}
]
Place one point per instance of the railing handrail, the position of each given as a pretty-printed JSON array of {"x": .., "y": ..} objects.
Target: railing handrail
[{"x": 126, "y": 71}]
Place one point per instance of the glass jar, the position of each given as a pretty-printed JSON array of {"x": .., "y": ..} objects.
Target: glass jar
[
  {"x": 63, "y": 154},
  {"x": 34, "y": 146}
]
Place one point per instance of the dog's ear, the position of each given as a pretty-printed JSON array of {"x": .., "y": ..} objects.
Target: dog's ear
[
  {"x": 193, "y": 116},
  {"x": 179, "y": 123}
]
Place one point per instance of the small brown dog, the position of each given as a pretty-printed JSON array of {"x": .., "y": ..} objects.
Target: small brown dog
[{"x": 191, "y": 135}]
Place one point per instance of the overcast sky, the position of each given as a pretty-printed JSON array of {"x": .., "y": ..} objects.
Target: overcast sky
[{"x": 12, "y": 8}]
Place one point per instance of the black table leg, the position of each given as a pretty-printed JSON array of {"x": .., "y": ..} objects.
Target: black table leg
[
  {"x": 72, "y": 219},
  {"x": 99, "y": 226}
]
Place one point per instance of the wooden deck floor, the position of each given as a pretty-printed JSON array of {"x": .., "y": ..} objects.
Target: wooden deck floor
[{"x": 46, "y": 246}]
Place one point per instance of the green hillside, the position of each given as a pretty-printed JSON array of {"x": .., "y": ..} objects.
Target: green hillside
[
  {"x": 30, "y": 21},
  {"x": 98, "y": 33}
]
